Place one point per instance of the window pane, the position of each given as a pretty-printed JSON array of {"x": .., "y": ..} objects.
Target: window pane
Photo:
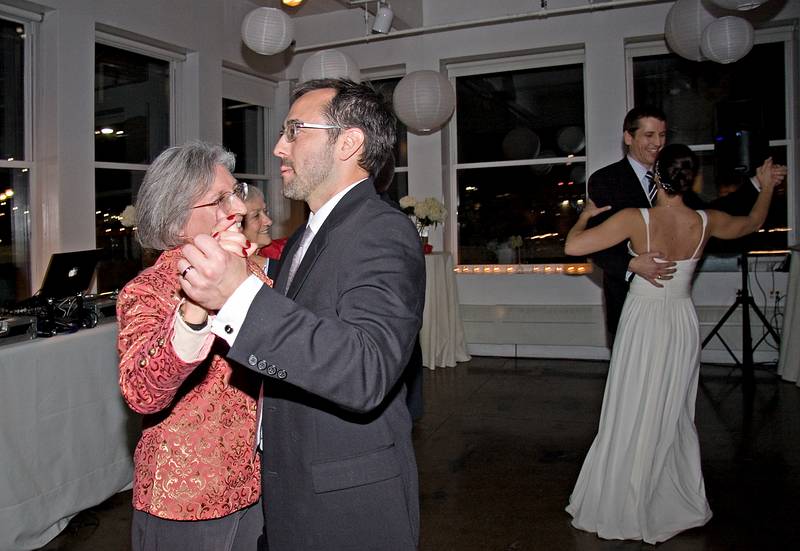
[
  {"x": 15, "y": 236},
  {"x": 122, "y": 258},
  {"x": 243, "y": 134},
  {"x": 12, "y": 95},
  {"x": 386, "y": 87},
  {"x": 132, "y": 100},
  {"x": 521, "y": 114},
  {"x": 538, "y": 203},
  {"x": 688, "y": 91}
]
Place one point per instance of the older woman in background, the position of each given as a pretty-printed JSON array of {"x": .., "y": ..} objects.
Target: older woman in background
[
  {"x": 256, "y": 227},
  {"x": 196, "y": 473}
]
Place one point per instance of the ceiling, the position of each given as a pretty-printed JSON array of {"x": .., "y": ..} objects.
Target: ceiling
[{"x": 407, "y": 13}]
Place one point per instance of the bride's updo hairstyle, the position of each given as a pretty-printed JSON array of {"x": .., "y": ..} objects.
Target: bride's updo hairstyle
[{"x": 675, "y": 169}]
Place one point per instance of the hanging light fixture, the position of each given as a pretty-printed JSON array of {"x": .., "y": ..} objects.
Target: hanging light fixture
[
  {"x": 383, "y": 18},
  {"x": 424, "y": 100},
  {"x": 728, "y": 39},
  {"x": 267, "y": 31},
  {"x": 739, "y": 5},
  {"x": 330, "y": 64},
  {"x": 685, "y": 23},
  {"x": 292, "y": 3}
]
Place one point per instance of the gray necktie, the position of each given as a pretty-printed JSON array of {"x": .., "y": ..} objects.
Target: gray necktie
[
  {"x": 651, "y": 187},
  {"x": 308, "y": 235}
]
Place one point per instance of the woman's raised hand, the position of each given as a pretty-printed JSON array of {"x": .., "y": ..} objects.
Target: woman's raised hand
[{"x": 230, "y": 237}]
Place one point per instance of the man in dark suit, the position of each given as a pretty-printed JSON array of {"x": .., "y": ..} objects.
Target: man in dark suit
[
  {"x": 625, "y": 184},
  {"x": 338, "y": 465}
]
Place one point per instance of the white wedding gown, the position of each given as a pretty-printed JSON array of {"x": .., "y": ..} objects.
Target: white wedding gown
[{"x": 641, "y": 478}]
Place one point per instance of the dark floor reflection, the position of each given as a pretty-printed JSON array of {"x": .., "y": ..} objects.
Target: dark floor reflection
[{"x": 502, "y": 441}]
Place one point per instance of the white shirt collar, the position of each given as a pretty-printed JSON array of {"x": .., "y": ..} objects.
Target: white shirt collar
[{"x": 316, "y": 219}]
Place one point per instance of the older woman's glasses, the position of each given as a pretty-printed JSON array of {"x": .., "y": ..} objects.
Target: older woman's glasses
[
  {"x": 291, "y": 128},
  {"x": 225, "y": 201}
]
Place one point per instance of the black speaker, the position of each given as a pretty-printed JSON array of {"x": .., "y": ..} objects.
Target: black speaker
[{"x": 740, "y": 144}]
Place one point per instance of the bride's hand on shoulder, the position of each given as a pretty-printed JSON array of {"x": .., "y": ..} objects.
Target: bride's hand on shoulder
[{"x": 591, "y": 210}]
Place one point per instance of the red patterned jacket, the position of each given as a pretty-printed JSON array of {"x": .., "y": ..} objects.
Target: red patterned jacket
[{"x": 194, "y": 460}]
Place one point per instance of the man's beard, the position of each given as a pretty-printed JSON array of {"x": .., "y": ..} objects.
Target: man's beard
[{"x": 314, "y": 173}]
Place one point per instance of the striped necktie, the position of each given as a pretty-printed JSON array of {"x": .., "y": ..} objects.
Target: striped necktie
[{"x": 651, "y": 188}]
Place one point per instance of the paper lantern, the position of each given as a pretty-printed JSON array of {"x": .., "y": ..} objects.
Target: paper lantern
[
  {"x": 685, "y": 23},
  {"x": 727, "y": 39},
  {"x": 740, "y": 5},
  {"x": 521, "y": 143},
  {"x": 424, "y": 100},
  {"x": 267, "y": 31},
  {"x": 330, "y": 64}
]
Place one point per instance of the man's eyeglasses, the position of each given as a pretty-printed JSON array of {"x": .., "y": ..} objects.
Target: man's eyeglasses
[
  {"x": 290, "y": 129},
  {"x": 225, "y": 201}
]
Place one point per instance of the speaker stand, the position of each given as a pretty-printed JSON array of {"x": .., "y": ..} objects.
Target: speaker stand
[{"x": 745, "y": 300}]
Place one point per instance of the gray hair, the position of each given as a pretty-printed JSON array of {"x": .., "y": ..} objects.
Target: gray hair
[
  {"x": 176, "y": 180},
  {"x": 253, "y": 192}
]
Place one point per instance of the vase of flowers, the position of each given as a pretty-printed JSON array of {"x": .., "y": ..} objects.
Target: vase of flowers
[{"x": 427, "y": 213}]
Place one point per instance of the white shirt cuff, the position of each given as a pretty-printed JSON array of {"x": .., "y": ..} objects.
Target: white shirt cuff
[
  {"x": 228, "y": 321},
  {"x": 189, "y": 345},
  {"x": 754, "y": 181}
]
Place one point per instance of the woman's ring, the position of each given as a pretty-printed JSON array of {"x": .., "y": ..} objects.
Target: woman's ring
[
  {"x": 657, "y": 277},
  {"x": 186, "y": 271}
]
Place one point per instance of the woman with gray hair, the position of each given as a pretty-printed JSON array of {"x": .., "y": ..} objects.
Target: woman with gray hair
[{"x": 195, "y": 460}]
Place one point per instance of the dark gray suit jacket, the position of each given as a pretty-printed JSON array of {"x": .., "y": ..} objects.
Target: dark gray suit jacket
[{"x": 338, "y": 468}]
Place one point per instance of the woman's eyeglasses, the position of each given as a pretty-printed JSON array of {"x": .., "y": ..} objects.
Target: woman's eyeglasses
[
  {"x": 291, "y": 128},
  {"x": 225, "y": 201}
]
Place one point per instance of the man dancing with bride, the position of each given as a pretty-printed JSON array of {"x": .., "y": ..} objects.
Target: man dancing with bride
[{"x": 641, "y": 478}]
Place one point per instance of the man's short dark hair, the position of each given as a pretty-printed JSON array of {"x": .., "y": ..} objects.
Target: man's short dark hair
[
  {"x": 358, "y": 105},
  {"x": 635, "y": 115}
]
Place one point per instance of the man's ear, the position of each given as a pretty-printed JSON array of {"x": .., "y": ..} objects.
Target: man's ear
[
  {"x": 627, "y": 137},
  {"x": 352, "y": 140}
]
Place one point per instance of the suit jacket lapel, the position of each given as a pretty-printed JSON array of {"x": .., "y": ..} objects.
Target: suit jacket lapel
[
  {"x": 636, "y": 184},
  {"x": 340, "y": 212}
]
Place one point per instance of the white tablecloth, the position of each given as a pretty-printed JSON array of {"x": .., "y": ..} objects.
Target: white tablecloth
[
  {"x": 442, "y": 334},
  {"x": 789, "y": 363},
  {"x": 66, "y": 435}
]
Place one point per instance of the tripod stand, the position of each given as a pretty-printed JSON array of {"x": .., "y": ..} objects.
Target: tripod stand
[{"x": 745, "y": 300}]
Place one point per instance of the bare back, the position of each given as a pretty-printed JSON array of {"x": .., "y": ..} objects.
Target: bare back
[{"x": 675, "y": 231}]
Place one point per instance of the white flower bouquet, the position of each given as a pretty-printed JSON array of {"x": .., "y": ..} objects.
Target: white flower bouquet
[
  {"x": 128, "y": 217},
  {"x": 428, "y": 212}
]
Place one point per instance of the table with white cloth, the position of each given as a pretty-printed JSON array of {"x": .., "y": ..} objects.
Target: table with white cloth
[
  {"x": 789, "y": 362},
  {"x": 442, "y": 333},
  {"x": 66, "y": 435}
]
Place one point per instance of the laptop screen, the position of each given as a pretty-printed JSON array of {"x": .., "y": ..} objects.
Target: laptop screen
[{"x": 69, "y": 273}]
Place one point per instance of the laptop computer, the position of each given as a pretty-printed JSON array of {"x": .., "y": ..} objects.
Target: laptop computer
[{"x": 69, "y": 273}]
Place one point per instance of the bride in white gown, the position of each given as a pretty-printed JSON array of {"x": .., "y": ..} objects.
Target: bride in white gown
[{"x": 641, "y": 478}]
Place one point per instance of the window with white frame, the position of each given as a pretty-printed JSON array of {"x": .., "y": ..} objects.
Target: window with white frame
[
  {"x": 15, "y": 160},
  {"x": 133, "y": 124},
  {"x": 705, "y": 100},
  {"x": 246, "y": 111},
  {"x": 517, "y": 144}
]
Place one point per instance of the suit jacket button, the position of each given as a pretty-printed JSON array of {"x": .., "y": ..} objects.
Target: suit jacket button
[
  {"x": 262, "y": 365},
  {"x": 281, "y": 374},
  {"x": 252, "y": 360},
  {"x": 271, "y": 369},
  {"x": 228, "y": 329}
]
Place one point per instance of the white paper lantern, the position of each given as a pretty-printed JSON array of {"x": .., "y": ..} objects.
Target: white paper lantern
[
  {"x": 424, "y": 100},
  {"x": 267, "y": 31},
  {"x": 571, "y": 139},
  {"x": 685, "y": 23},
  {"x": 330, "y": 64},
  {"x": 740, "y": 5},
  {"x": 727, "y": 39}
]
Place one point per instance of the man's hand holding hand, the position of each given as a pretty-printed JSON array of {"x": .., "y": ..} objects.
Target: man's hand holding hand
[{"x": 210, "y": 273}]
